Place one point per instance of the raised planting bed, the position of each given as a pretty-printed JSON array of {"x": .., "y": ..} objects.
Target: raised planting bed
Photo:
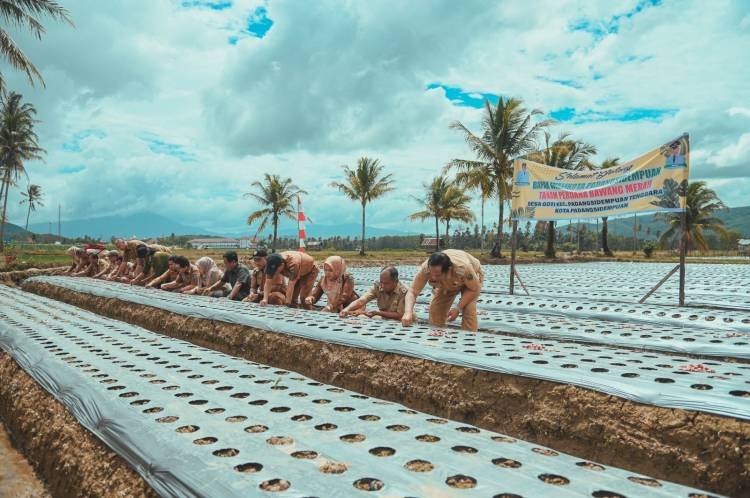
[
  {"x": 196, "y": 422},
  {"x": 699, "y": 448}
]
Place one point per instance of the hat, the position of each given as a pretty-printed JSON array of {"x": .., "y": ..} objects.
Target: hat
[
  {"x": 141, "y": 251},
  {"x": 92, "y": 252},
  {"x": 273, "y": 262},
  {"x": 260, "y": 253}
]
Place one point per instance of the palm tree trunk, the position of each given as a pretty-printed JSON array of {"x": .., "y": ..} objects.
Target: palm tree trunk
[
  {"x": 437, "y": 234},
  {"x": 447, "y": 233},
  {"x": 275, "y": 230},
  {"x": 605, "y": 234},
  {"x": 28, "y": 213},
  {"x": 550, "y": 251},
  {"x": 500, "y": 230},
  {"x": 6, "y": 184},
  {"x": 481, "y": 228},
  {"x": 362, "y": 249}
]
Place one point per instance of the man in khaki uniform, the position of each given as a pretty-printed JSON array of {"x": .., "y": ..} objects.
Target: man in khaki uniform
[
  {"x": 168, "y": 276},
  {"x": 129, "y": 251},
  {"x": 299, "y": 268},
  {"x": 390, "y": 294},
  {"x": 95, "y": 265},
  {"x": 450, "y": 273},
  {"x": 188, "y": 276}
]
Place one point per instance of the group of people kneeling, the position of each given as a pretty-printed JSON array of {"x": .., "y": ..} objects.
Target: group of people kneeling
[{"x": 291, "y": 278}]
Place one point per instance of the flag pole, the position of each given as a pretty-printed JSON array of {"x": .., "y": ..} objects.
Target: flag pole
[
  {"x": 683, "y": 226},
  {"x": 513, "y": 243}
]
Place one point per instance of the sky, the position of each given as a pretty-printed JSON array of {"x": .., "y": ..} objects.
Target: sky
[{"x": 177, "y": 106}]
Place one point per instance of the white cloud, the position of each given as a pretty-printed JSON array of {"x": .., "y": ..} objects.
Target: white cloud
[{"x": 334, "y": 81}]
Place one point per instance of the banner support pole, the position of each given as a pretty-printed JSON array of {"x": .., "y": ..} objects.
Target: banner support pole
[
  {"x": 513, "y": 244},
  {"x": 683, "y": 239}
]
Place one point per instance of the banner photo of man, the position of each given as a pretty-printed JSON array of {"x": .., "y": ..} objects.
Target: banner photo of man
[{"x": 654, "y": 182}]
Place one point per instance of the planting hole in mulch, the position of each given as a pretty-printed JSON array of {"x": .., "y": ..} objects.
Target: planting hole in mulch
[
  {"x": 226, "y": 452},
  {"x": 427, "y": 438},
  {"x": 554, "y": 479},
  {"x": 461, "y": 481},
  {"x": 214, "y": 411},
  {"x": 330, "y": 467},
  {"x": 141, "y": 402},
  {"x": 382, "y": 451},
  {"x": 419, "y": 466},
  {"x": 701, "y": 495},
  {"x": 168, "y": 419},
  {"x": 254, "y": 429},
  {"x": 398, "y": 428},
  {"x": 469, "y": 430},
  {"x": 305, "y": 455},
  {"x": 258, "y": 402},
  {"x": 236, "y": 418},
  {"x": 326, "y": 427},
  {"x": 187, "y": 429},
  {"x": 250, "y": 467},
  {"x": 280, "y": 409},
  {"x": 353, "y": 438},
  {"x": 301, "y": 418},
  {"x": 646, "y": 481},
  {"x": 506, "y": 462},
  {"x": 344, "y": 409},
  {"x": 437, "y": 420},
  {"x": 155, "y": 409},
  {"x": 205, "y": 440},
  {"x": 607, "y": 494},
  {"x": 279, "y": 440},
  {"x": 369, "y": 418},
  {"x": 507, "y": 495},
  {"x": 464, "y": 449},
  {"x": 368, "y": 484},
  {"x": 503, "y": 439},
  {"x": 545, "y": 451},
  {"x": 741, "y": 394},
  {"x": 275, "y": 485},
  {"x": 590, "y": 466}
]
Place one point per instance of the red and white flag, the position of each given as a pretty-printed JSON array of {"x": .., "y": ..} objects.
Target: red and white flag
[{"x": 301, "y": 219}]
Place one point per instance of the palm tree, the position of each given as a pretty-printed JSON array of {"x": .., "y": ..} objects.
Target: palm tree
[
  {"x": 18, "y": 143},
  {"x": 507, "y": 132},
  {"x": 455, "y": 206},
  {"x": 478, "y": 179},
  {"x": 563, "y": 153},
  {"x": 33, "y": 197},
  {"x": 432, "y": 202},
  {"x": 607, "y": 163},
  {"x": 24, "y": 14},
  {"x": 277, "y": 195},
  {"x": 365, "y": 184},
  {"x": 702, "y": 203}
]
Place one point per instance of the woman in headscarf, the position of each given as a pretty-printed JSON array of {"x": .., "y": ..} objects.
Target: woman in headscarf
[
  {"x": 210, "y": 273},
  {"x": 336, "y": 283},
  {"x": 75, "y": 253}
]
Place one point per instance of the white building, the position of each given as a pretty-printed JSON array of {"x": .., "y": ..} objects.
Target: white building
[
  {"x": 743, "y": 245},
  {"x": 215, "y": 243}
]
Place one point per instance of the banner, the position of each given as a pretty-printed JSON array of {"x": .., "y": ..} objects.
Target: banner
[{"x": 654, "y": 182}]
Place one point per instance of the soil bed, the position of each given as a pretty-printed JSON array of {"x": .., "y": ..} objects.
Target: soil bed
[
  {"x": 71, "y": 460},
  {"x": 17, "y": 478},
  {"x": 697, "y": 449}
]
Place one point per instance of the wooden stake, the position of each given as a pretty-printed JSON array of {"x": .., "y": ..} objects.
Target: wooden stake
[
  {"x": 518, "y": 276},
  {"x": 513, "y": 238},
  {"x": 661, "y": 282}
]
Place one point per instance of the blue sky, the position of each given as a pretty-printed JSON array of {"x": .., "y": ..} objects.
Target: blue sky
[{"x": 177, "y": 106}]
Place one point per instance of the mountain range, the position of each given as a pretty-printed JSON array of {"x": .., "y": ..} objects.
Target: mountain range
[{"x": 147, "y": 225}]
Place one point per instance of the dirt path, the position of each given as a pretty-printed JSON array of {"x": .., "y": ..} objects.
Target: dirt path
[
  {"x": 693, "y": 448},
  {"x": 17, "y": 478}
]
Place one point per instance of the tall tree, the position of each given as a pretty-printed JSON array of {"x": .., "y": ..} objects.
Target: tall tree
[
  {"x": 455, "y": 206},
  {"x": 508, "y": 131},
  {"x": 365, "y": 184},
  {"x": 702, "y": 204},
  {"x": 18, "y": 143},
  {"x": 33, "y": 197},
  {"x": 277, "y": 195},
  {"x": 606, "y": 164},
  {"x": 25, "y": 14},
  {"x": 563, "y": 153},
  {"x": 432, "y": 203},
  {"x": 478, "y": 179}
]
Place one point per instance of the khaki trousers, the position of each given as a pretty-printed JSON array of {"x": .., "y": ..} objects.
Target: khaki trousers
[
  {"x": 303, "y": 287},
  {"x": 441, "y": 304}
]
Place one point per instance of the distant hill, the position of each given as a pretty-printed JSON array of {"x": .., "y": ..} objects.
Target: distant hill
[
  {"x": 142, "y": 225},
  {"x": 147, "y": 225},
  {"x": 14, "y": 232},
  {"x": 734, "y": 219}
]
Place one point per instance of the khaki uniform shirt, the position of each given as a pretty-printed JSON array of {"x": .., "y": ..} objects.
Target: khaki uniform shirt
[
  {"x": 296, "y": 264},
  {"x": 159, "y": 247},
  {"x": 129, "y": 254},
  {"x": 190, "y": 277},
  {"x": 464, "y": 274},
  {"x": 96, "y": 267},
  {"x": 257, "y": 281},
  {"x": 388, "y": 301}
]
